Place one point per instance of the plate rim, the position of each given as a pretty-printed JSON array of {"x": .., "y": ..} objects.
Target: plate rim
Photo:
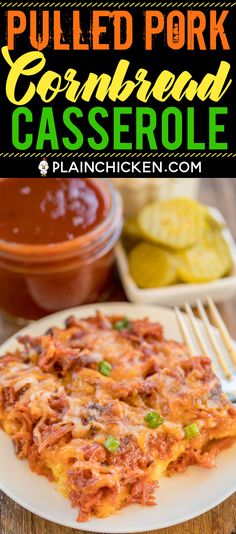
[{"x": 85, "y": 526}]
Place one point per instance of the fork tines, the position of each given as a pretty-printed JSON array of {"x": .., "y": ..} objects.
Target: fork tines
[{"x": 195, "y": 334}]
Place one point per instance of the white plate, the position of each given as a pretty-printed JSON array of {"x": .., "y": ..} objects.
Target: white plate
[
  {"x": 177, "y": 294},
  {"x": 179, "y": 498}
]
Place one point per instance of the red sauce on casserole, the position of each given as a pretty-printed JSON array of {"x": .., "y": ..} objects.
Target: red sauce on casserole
[{"x": 43, "y": 211}]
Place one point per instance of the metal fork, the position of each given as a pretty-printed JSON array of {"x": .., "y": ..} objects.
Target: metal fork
[{"x": 203, "y": 338}]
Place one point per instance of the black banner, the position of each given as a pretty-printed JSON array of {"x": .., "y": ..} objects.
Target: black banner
[{"x": 118, "y": 91}]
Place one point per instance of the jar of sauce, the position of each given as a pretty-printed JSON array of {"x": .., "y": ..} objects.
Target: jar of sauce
[{"x": 57, "y": 238}]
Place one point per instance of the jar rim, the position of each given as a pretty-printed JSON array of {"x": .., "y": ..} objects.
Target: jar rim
[{"x": 61, "y": 248}]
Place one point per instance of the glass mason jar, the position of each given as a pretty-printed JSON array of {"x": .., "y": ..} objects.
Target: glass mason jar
[{"x": 36, "y": 280}]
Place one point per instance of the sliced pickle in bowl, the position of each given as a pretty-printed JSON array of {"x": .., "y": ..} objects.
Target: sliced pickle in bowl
[
  {"x": 131, "y": 228},
  {"x": 206, "y": 261},
  {"x": 131, "y": 234},
  {"x": 152, "y": 266},
  {"x": 212, "y": 223},
  {"x": 177, "y": 223}
]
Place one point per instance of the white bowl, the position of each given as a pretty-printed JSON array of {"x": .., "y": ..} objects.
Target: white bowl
[{"x": 219, "y": 290}]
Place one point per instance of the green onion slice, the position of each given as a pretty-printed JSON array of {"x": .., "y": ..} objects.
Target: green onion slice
[
  {"x": 123, "y": 324},
  {"x": 153, "y": 419},
  {"x": 112, "y": 444},
  {"x": 191, "y": 431},
  {"x": 105, "y": 368}
]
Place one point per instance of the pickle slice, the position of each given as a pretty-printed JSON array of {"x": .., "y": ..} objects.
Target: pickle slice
[
  {"x": 177, "y": 223},
  {"x": 131, "y": 228},
  {"x": 209, "y": 260},
  {"x": 151, "y": 266},
  {"x": 131, "y": 234},
  {"x": 212, "y": 223}
]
